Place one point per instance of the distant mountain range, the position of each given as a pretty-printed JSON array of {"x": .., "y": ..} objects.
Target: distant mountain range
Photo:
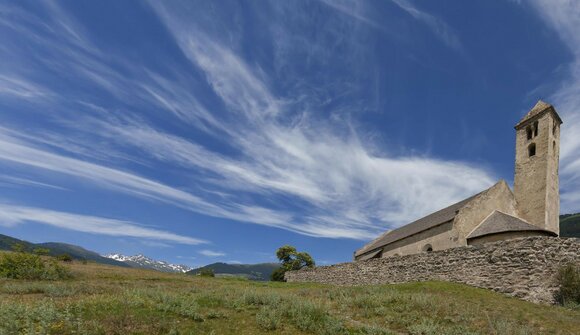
[
  {"x": 569, "y": 227},
  {"x": 56, "y": 249},
  {"x": 144, "y": 262},
  {"x": 260, "y": 271}
]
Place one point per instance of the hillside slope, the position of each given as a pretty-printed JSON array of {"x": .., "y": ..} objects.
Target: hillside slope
[
  {"x": 55, "y": 249},
  {"x": 570, "y": 225},
  {"x": 104, "y": 299},
  {"x": 260, "y": 271}
]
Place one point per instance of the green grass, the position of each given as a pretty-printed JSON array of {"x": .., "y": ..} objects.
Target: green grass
[{"x": 102, "y": 299}]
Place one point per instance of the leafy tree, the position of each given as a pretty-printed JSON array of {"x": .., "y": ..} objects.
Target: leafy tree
[{"x": 290, "y": 260}]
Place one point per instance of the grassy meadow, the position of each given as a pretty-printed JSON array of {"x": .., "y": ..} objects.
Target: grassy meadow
[{"x": 101, "y": 299}]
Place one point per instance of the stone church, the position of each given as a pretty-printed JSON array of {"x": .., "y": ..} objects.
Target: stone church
[{"x": 532, "y": 209}]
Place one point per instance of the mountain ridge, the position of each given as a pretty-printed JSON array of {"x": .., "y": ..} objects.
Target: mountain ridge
[
  {"x": 570, "y": 225},
  {"x": 144, "y": 262},
  {"x": 57, "y": 248}
]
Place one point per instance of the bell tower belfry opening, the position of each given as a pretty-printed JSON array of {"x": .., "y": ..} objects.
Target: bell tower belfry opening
[{"x": 536, "y": 182}]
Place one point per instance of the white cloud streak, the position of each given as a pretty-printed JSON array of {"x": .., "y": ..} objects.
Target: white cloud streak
[
  {"x": 441, "y": 29},
  {"x": 311, "y": 161},
  {"x": 211, "y": 253},
  {"x": 11, "y": 215},
  {"x": 308, "y": 177},
  {"x": 17, "y": 181},
  {"x": 13, "y": 151},
  {"x": 353, "y": 9},
  {"x": 15, "y": 87}
]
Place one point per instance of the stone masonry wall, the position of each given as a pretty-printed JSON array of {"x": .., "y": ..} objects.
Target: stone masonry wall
[{"x": 524, "y": 268}]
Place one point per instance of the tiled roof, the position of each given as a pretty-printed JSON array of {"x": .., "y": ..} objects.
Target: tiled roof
[
  {"x": 434, "y": 219},
  {"x": 499, "y": 222}
]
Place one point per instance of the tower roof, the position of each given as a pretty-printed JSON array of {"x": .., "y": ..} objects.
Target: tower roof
[{"x": 540, "y": 108}]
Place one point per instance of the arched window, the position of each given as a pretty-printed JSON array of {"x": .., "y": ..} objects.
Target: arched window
[
  {"x": 427, "y": 248},
  {"x": 532, "y": 150},
  {"x": 529, "y": 132},
  {"x": 554, "y": 146},
  {"x": 535, "y": 128}
]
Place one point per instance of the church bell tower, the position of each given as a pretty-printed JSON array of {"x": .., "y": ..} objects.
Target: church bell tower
[{"x": 536, "y": 184}]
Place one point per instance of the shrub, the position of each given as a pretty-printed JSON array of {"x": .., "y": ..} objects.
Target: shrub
[
  {"x": 41, "y": 251},
  {"x": 278, "y": 274},
  {"x": 18, "y": 247},
  {"x": 183, "y": 305},
  {"x": 568, "y": 279},
  {"x": 64, "y": 258},
  {"x": 269, "y": 318},
  {"x": 260, "y": 298},
  {"x": 28, "y": 266},
  {"x": 310, "y": 317},
  {"x": 207, "y": 273}
]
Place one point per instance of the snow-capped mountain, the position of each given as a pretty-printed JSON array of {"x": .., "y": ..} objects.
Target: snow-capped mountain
[{"x": 144, "y": 262}]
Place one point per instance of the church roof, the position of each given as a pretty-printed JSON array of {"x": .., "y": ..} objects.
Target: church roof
[
  {"x": 499, "y": 222},
  {"x": 370, "y": 255},
  {"x": 434, "y": 219},
  {"x": 541, "y": 107}
]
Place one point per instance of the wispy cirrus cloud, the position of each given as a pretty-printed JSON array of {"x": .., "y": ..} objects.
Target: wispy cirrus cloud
[
  {"x": 282, "y": 168},
  {"x": 13, "y": 150},
  {"x": 211, "y": 253},
  {"x": 353, "y": 9},
  {"x": 11, "y": 215},
  {"x": 6, "y": 180},
  {"x": 15, "y": 87},
  {"x": 441, "y": 29},
  {"x": 324, "y": 167}
]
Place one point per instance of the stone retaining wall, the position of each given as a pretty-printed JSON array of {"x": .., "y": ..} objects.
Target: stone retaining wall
[{"x": 523, "y": 267}]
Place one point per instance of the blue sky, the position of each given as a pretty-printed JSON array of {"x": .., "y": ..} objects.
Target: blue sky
[{"x": 203, "y": 131}]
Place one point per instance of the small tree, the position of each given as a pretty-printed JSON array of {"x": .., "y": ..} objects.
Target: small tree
[
  {"x": 568, "y": 280},
  {"x": 206, "y": 273},
  {"x": 290, "y": 260}
]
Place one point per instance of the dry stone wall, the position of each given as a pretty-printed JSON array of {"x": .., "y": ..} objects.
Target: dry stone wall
[{"x": 524, "y": 268}]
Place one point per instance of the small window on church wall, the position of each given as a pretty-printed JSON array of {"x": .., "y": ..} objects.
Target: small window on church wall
[
  {"x": 554, "y": 146},
  {"x": 532, "y": 150},
  {"x": 535, "y": 128},
  {"x": 554, "y": 130},
  {"x": 529, "y": 132},
  {"x": 427, "y": 248}
]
